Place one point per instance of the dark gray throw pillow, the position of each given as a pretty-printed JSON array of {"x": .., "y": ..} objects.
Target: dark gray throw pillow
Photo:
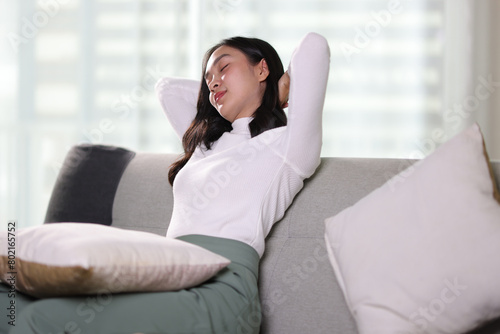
[{"x": 86, "y": 185}]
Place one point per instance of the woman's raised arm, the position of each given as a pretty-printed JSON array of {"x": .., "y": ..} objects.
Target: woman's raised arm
[
  {"x": 178, "y": 98},
  {"x": 308, "y": 70}
]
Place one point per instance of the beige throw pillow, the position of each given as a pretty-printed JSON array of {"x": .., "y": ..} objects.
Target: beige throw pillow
[{"x": 74, "y": 258}]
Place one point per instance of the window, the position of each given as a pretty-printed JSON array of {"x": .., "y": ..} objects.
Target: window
[{"x": 84, "y": 71}]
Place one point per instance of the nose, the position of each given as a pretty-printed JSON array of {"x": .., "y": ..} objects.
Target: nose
[{"x": 214, "y": 83}]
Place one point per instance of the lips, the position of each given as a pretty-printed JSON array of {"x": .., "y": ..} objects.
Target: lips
[{"x": 218, "y": 96}]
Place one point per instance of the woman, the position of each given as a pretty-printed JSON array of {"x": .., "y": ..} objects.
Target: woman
[{"x": 244, "y": 162}]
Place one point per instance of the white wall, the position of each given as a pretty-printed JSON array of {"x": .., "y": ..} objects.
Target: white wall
[
  {"x": 486, "y": 58},
  {"x": 494, "y": 138}
]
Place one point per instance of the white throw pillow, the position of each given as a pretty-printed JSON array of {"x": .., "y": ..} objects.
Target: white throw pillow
[
  {"x": 74, "y": 258},
  {"x": 421, "y": 254}
]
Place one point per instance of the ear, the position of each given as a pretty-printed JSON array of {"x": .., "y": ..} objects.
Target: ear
[{"x": 262, "y": 70}]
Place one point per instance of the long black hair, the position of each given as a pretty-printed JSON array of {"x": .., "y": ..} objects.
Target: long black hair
[{"x": 208, "y": 125}]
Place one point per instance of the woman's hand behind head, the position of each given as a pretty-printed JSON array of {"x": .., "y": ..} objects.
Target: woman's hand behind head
[{"x": 284, "y": 88}]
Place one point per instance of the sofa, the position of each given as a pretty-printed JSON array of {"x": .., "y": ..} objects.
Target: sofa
[{"x": 298, "y": 287}]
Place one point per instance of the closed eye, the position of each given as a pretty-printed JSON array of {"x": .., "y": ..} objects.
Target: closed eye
[{"x": 222, "y": 69}]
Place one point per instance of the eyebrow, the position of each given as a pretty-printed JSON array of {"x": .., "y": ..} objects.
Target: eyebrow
[{"x": 216, "y": 61}]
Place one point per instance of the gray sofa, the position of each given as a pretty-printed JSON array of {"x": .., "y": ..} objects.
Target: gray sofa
[{"x": 299, "y": 292}]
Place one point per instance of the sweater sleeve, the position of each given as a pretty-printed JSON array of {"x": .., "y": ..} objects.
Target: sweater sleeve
[
  {"x": 178, "y": 98},
  {"x": 308, "y": 70}
]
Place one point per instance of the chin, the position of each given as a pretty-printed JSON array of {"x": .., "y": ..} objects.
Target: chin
[{"x": 226, "y": 117}]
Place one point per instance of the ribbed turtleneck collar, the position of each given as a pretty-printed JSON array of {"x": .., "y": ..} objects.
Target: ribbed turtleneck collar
[{"x": 240, "y": 125}]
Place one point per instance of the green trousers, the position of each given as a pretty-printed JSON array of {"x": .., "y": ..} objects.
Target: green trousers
[{"x": 227, "y": 303}]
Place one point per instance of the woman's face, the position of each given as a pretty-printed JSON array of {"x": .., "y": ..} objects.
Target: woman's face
[{"x": 236, "y": 86}]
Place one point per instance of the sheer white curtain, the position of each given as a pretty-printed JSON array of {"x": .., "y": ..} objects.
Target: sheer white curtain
[{"x": 84, "y": 70}]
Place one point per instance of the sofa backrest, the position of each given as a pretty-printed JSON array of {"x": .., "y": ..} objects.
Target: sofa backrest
[
  {"x": 143, "y": 200},
  {"x": 299, "y": 291}
]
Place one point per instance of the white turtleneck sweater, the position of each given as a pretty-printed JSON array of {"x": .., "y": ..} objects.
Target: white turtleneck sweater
[{"x": 241, "y": 186}]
